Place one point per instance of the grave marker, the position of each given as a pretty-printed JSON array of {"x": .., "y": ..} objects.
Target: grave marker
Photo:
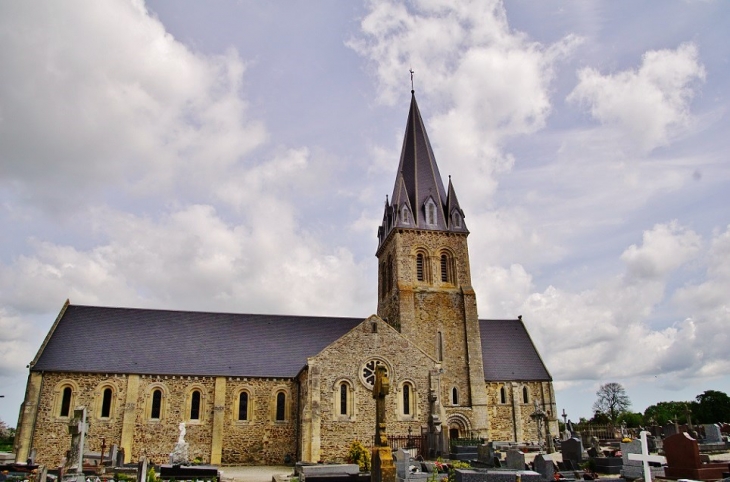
[
  {"x": 645, "y": 457},
  {"x": 515, "y": 459},
  {"x": 383, "y": 469},
  {"x": 77, "y": 428}
]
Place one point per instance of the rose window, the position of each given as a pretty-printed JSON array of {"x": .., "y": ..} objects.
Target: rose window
[{"x": 367, "y": 375}]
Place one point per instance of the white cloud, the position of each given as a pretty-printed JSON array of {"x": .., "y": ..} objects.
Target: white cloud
[
  {"x": 191, "y": 259},
  {"x": 485, "y": 82},
  {"x": 648, "y": 105},
  {"x": 112, "y": 100},
  {"x": 613, "y": 317},
  {"x": 664, "y": 249}
]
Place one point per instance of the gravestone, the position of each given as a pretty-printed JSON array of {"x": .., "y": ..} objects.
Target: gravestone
[
  {"x": 712, "y": 434},
  {"x": 645, "y": 457},
  {"x": 74, "y": 463},
  {"x": 515, "y": 459},
  {"x": 492, "y": 475},
  {"x": 383, "y": 469},
  {"x": 670, "y": 429},
  {"x": 545, "y": 466},
  {"x": 684, "y": 462},
  {"x": 142, "y": 469},
  {"x": 634, "y": 469},
  {"x": 485, "y": 454},
  {"x": 329, "y": 473},
  {"x": 404, "y": 465},
  {"x": 572, "y": 449},
  {"x": 42, "y": 473},
  {"x": 651, "y": 443}
]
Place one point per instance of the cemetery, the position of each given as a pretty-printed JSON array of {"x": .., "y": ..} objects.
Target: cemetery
[{"x": 676, "y": 452}]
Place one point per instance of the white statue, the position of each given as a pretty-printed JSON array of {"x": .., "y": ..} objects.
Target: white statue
[
  {"x": 179, "y": 455},
  {"x": 181, "y": 437}
]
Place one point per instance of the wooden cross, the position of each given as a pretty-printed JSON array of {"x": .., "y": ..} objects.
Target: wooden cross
[{"x": 645, "y": 457}]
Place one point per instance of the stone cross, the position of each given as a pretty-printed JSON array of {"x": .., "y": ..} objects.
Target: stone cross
[
  {"x": 77, "y": 428},
  {"x": 645, "y": 457},
  {"x": 380, "y": 390},
  {"x": 538, "y": 416},
  {"x": 688, "y": 414}
]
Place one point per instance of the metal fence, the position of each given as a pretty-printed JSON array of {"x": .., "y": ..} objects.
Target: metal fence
[{"x": 413, "y": 443}]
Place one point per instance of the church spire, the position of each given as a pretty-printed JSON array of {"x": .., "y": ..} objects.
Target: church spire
[{"x": 419, "y": 198}]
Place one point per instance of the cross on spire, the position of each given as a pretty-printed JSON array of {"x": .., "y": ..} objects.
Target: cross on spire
[{"x": 411, "y": 71}]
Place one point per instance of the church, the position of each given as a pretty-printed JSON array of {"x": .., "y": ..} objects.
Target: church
[{"x": 262, "y": 389}]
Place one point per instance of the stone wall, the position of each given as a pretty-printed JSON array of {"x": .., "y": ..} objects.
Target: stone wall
[
  {"x": 503, "y": 416},
  {"x": 343, "y": 363},
  {"x": 260, "y": 440},
  {"x": 51, "y": 438}
]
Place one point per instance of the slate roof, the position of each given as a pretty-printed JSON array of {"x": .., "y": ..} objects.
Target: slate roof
[
  {"x": 508, "y": 352},
  {"x": 417, "y": 180},
  {"x": 92, "y": 339}
]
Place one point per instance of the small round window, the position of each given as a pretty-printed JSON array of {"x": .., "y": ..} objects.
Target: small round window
[{"x": 367, "y": 374}]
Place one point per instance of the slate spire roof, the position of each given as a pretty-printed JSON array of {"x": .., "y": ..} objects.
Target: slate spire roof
[{"x": 419, "y": 199}]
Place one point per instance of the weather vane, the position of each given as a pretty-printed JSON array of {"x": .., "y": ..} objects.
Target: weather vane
[{"x": 411, "y": 71}]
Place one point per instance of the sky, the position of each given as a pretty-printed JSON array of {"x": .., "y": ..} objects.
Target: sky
[{"x": 235, "y": 157}]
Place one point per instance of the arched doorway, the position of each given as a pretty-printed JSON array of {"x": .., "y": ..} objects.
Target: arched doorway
[{"x": 459, "y": 426}]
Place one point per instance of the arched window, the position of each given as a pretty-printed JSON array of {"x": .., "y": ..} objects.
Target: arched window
[
  {"x": 406, "y": 399},
  {"x": 406, "y": 215},
  {"x": 456, "y": 219},
  {"x": 419, "y": 267},
  {"x": 430, "y": 212},
  {"x": 280, "y": 406},
  {"x": 525, "y": 395},
  {"x": 439, "y": 346},
  {"x": 343, "y": 398},
  {"x": 195, "y": 405},
  {"x": 156, "y": 408},
  {"x": 502, "y": 395},
  {"x": 243, "y": 406},
  {"x": 106, "y": 403},
  {"x": 454, "y": 396},
  {"x": 444, "y": 268},
  {"x": 65, "y": 402}
]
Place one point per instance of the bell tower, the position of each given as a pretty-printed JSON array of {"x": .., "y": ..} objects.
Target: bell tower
[{"x": 424, "y": 282}]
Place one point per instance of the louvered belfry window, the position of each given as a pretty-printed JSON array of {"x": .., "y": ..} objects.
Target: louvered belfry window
[
  {"x": 419, "y": 267},
  {"x": 444, "y": 268}
]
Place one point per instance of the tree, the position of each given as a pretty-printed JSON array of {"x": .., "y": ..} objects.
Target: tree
[
  {"x": 612, "y": 400},
  {"x": 632, "y": 419},
  {"x": 712, "y": 406},
  {"x": 663, "y": 412}
]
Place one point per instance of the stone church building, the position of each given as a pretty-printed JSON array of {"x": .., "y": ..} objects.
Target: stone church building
[{"x": 259, "y": 389}]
